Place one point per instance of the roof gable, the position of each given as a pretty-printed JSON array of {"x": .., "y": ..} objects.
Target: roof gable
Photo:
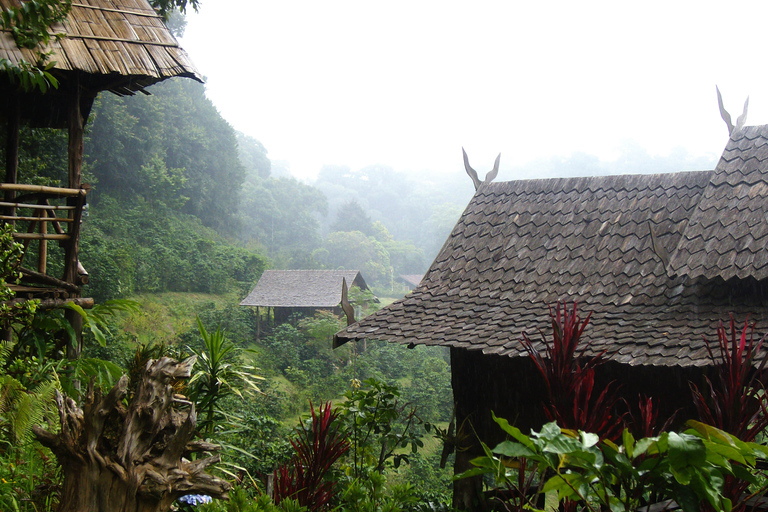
[
  {"x": 302, "y": 288},
  {"x": 602, "y": 241},
  {"x": 727, "y": 235}
]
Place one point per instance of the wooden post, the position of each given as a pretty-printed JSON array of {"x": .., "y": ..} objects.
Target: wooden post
[
  {"x": 258, "y": 324},
  {"x": 74, "y": 168},
  {"x": 42, "y": 260},
  {"x": 76, "y": 133}
]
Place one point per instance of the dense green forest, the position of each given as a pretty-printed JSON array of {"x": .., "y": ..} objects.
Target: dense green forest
[{"x": 184, "y": 214}]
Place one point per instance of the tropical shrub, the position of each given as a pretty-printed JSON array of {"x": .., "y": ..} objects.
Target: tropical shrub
[
  {"x": 688, "y": 467},
  {"x": 318, "y": 445},
  {"x": 569, "y": 376}
]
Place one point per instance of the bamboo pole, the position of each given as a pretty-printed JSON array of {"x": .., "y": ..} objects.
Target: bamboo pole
[
  {"x": 42, "y": 189},
  {"x": 37, "y": 206},
  {"x": 42, "y": 253}
]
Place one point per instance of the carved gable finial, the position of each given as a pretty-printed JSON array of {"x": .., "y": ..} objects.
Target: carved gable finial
[
  {"x": 742, "y": 119},
  {"x": 473, "y": 174}
]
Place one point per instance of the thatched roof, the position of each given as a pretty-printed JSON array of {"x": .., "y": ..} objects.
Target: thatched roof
[
  {"x": 123, "y": 45},
  {"x": 302, "y": 288},
  {"x": 628, "y": 248}
]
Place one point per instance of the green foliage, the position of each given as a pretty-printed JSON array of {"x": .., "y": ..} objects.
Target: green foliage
[
  {"x": 95, "y": 320},
  {"x": 218, "y": 372},
  {"x": 176, "y": 138},
  {"x": 353, "y": 250},
  {"x": 351, "y": 217},
  {"x": 30, "y": 25},
  {"x": 379, "y": 426},
  {"x": 10, "y": 253},
  {"x": 687, "y": 467},
  {"x": 150, "y": 248},
  {"x": 163, "y": 185},
  {"x": 280, "y": 214},
  {"x": 241, "y": 501},
  {"x": 371, "y": 494}
]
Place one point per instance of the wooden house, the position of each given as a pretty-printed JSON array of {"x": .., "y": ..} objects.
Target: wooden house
[
  {"x": 121, "y": 46},
  {"x": 291, "y": 292},
  {"x": 658, "y": 260},
  {"x": 410, "y": 280}
]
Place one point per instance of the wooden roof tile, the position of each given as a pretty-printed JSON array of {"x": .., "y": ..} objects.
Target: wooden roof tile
[{"x": 306, "y": 288}]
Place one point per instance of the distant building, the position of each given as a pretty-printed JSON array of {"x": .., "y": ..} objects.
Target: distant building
[
  {"x": 410, "y": 280},
  {"x": 303, "y": 292}
]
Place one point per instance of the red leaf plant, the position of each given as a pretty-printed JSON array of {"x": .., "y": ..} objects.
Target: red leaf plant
[
  {"x": 646, "y": 422},
  {"x": 318, "y": 445},
  {"x": 569, "y": 375},
  {"x": 736, "y": 401}
]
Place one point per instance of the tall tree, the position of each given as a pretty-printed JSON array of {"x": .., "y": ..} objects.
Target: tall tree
[{"x": 352, "y": 217}]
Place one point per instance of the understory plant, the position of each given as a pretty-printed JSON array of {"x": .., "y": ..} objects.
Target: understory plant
[
  {"x": 382, "y": 428},
  {"x": 735, "y": 400},
  {"x": 578, "y": 467},
  {"x": 306, "y": 478},
  {"x": 569, "y": 376}
]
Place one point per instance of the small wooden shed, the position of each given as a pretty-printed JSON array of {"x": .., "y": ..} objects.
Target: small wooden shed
[
  {"x": 121, "y": 46},
  {"x": 289, "y": 292},
  {"x": 410, "y": 280},
  {"x": 658, "y": 260}
]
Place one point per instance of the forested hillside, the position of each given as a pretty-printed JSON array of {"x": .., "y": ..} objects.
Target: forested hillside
[{"x": 184, "y": 214}]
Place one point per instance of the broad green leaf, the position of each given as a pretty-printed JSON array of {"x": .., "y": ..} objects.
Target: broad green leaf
[
  {"x": 589, "y": 440},
  {"x": 685, "y": 451},
  {"x": 629, "y": 443},
  {"x": 512, "y": 449},
  {"x": 642, "y": 445},
  {"x": 513, "y": 431}
]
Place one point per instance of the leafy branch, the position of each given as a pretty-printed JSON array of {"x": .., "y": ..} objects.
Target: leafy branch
[{"x": 31, "y": 24}]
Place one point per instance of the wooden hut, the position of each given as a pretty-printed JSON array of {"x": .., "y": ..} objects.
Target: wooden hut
[
  {"x": 410, "y": 280},
  {"x": 302, "y": 292},
  {"x": 658, "y": 260},
  {"x": 121, "y": 46}
]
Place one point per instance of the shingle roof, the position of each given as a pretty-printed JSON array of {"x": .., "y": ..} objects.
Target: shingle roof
[
  {"x": 112, "y": 39},
  {"x": 603, "y": 241},
  {"x": 301, "y": 288},
  {"x": 411, "y": 279},
  {"x": 727, "y": 235}
]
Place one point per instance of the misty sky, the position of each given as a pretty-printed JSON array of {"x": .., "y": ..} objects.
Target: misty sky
[{"x": 408, "y": 83}]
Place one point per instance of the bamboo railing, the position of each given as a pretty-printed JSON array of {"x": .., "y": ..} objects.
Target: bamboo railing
[{"x": 41, "y": 214}]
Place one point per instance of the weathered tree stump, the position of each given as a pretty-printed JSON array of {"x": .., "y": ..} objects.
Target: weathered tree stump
[{"x": 118, "y": 459}]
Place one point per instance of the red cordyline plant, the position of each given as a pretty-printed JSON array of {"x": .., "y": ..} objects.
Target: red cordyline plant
[
  {"x": 736, "y": 400},
  {"x": 570, "y": 377},
  {"x": 318, "y": 445}
]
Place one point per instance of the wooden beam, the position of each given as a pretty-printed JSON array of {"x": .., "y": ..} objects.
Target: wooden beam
[
  {"x": 83, "y": 302},
  {"x": 36, "y": 277}
]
